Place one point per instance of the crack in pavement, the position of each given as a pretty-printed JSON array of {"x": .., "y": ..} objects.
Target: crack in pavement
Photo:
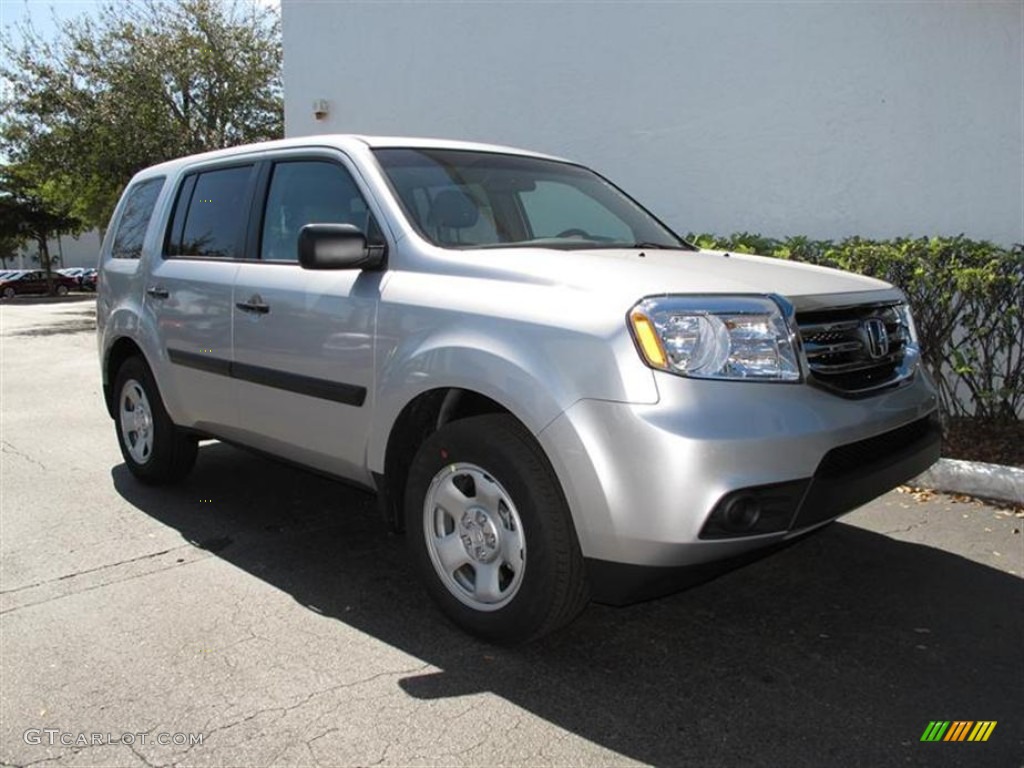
[
  {"x": 102, "y": 584},
  {"x": 283, "y": 710},
  {"x": 908, "y": 529},
  {"x": 309, "y": 747},
  {"x": 98, "y": 568},
  {"x": 459, "y": 752},
  {"x": 330, "y": 713},
  {"x": 71, "y": 753},
  {"x": 383, "y": 755},
  {"x": 8, "y": 447},
  {"x": 141, "y": 756},
  {"x": 61, "y": 756}
]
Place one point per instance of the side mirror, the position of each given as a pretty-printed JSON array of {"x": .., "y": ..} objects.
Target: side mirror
[{"x": 337, "y": 246}]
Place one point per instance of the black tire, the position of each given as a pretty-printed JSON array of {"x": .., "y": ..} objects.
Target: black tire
[
  {"x": 552, "y": 589},
  {"x": 62, "y": 290},
  {"x": 172, "y": 451},
  {"x": 9, "y": 293}
]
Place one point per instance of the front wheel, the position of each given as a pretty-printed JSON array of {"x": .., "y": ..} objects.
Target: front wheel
[
  {"x": 9, "y": 292},
  {"x": 491, "y": 533},
  {"x": 155, "y": 450},
  {"x": 62, "y": 290}
]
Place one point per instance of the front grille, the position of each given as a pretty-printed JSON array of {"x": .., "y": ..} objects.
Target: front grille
[{"x": 849, "y": 353}]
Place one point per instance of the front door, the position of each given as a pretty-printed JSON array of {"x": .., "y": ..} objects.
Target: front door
[{"x": 303, "y": 340}]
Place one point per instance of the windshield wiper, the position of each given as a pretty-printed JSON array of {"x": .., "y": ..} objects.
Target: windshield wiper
[
  {"x": 655, "y": 246},
  {"x": 557, "y": 244},
  {"x": 573, "y": 244}
]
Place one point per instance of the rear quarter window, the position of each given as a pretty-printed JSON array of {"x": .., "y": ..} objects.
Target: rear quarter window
[{"x": 138, "y": 210}]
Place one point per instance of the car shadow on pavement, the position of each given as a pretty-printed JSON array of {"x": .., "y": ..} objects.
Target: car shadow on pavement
[
  {"x": 86, "y": 325},
  {"x": 838, "y": 650}
]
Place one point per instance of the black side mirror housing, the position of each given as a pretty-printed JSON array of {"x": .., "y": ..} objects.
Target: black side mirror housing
[{"x": 337, "y": 246}]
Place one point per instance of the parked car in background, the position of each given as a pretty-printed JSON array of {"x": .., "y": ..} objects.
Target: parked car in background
[
  {"x": 75, "y": 273},
  {"x": 553, "y": 394},
  {"x": 34, "y": 282},
  {"x": 87, "y": 280}
]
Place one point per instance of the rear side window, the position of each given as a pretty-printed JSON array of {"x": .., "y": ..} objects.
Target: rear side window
[
  {"x": 209, "y": 214},
  {"x": 138, "y": 210}
]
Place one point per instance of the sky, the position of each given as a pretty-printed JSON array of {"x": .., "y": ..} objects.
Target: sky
[
  {"x": 42, "y": 12},
  {"x": 39, "y": 11}
]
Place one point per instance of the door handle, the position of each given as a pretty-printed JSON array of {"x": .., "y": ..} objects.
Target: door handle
[
  {"x": 158, "y": 292},
  {"x": 255, "y": 305}
]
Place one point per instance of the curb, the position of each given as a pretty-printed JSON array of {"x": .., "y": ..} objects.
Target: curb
[{"x": 974, "y": 478}]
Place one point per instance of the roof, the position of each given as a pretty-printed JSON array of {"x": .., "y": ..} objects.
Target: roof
[{"x": 341, "y": 141}]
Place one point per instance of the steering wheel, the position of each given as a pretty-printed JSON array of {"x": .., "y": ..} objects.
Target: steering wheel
[{"x": 575, "y": 232}]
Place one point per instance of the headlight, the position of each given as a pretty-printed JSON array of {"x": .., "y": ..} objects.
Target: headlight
[
  {"x": 907, "y": 323},
  {"x": 911, "y": 345},
  {"x": 723, "y": 337}
]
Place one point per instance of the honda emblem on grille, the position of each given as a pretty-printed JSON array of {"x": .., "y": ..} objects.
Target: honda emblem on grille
[{"x": 876, "y": 337}]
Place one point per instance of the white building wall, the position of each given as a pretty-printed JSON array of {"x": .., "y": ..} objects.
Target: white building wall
[
  {"x": 824, "y": 119},
  {"x": 80, "y": 251}
]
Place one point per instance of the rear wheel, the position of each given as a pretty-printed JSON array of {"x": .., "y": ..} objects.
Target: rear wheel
[
  {"x": 491, "y": 533},
  {"x": 9, "y": 292},
  {"x": 154, "y": 448},
  {"x": 62, "y": 290}
]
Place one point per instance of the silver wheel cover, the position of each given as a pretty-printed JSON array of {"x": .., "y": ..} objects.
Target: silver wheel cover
[
  {"x": 474, "y": 536},
  {"x": 136, "y": 420}
]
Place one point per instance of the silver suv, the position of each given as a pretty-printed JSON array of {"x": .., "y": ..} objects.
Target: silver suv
[{"x": 555, "y": 396}]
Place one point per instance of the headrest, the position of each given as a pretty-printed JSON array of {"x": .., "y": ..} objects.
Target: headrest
[{"x": 452, "y": 208}]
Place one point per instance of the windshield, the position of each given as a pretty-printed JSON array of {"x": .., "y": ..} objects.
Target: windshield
[{"x": 466, "y": 199}]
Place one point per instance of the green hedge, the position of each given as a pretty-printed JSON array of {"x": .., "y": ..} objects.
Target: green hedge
[{"x": 968, "y": 303}]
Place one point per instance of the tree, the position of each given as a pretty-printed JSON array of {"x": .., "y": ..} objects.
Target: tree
[
  {"x": 9, "y": 248},
  {"x": 26, "y": 215},
  {"x": 141, "y": 82}
]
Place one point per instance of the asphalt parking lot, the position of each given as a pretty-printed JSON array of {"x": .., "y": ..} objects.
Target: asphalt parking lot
[{"x": 267, "y": 612}]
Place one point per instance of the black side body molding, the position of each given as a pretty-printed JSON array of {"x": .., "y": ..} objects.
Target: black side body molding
[
  {"x": 338, "y": 392},
  {"x": 200, "y": 362}
]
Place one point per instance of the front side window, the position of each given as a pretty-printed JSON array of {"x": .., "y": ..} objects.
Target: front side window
[
  {"x": 310, "y": 192},
  {"x": 138, "y": 210},
  {"x": 210, "y": 214},
  {"x": 468, "y": 199}
]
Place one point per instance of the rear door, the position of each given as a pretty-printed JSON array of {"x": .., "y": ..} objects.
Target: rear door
[
  {"x": 188, "y": 292},
  {"x": 303, "y": 340}
]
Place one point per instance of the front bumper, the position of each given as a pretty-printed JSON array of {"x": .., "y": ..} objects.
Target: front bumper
[{"x": 643, "y": 481}]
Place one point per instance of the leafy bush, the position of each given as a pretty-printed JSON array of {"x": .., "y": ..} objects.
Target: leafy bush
[{"x": 968, "y": 303}]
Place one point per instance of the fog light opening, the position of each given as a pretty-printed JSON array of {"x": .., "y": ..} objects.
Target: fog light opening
[{"x": 741, "y": 513}]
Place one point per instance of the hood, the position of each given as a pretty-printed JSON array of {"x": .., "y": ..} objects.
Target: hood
[{"x": 632, "y": 274}]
